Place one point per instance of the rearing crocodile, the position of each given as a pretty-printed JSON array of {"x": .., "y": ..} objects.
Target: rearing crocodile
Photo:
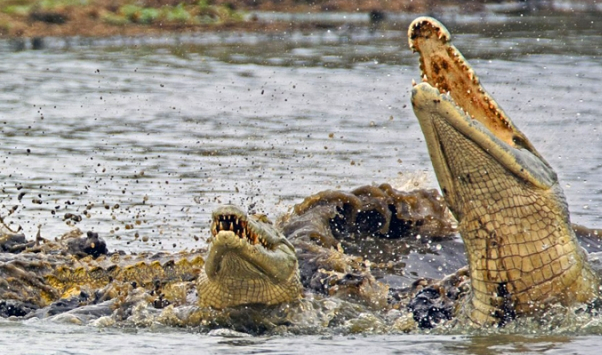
[{"x": 513, "y": 217}]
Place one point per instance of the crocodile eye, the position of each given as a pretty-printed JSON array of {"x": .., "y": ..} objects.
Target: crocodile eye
[
  {"x": 520, "y": 143},
  {"x": 523, "y": 144}
]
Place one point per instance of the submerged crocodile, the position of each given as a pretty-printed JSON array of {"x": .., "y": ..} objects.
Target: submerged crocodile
[
  {"x": 248, "y": 262},
  {"x": 513, "y": 217},
  {"x": 372, "y": 242}
]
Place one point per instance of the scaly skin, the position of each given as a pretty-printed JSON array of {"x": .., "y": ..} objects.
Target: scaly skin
[
  {"x": 42, "y": 274},
  {"x": 372, "y": 244},
  {"x": 522, "y": 251},
  {"x": 249, "y": 262}
]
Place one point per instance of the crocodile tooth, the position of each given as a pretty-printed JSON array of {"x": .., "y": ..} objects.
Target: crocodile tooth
[
  {"x": 413, "y": 82},
  {"x": 221, "y": 225}
]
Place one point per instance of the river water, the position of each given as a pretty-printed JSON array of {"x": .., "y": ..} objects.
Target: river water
[{"x": 143, "y": 137}]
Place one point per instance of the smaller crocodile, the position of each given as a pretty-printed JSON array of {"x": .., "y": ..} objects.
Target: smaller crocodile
[{"x": 249, "y": 262}]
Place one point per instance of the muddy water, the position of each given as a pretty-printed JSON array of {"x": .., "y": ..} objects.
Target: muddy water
[{"x": 142, "y": 138}]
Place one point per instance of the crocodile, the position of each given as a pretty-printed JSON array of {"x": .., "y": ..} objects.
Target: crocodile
[
  {"x": 248, "y": 262},
  {"x": 523, "y": 255}
]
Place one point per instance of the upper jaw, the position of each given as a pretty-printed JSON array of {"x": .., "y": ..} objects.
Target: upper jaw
[
  {"x": 232, "y": 219},
  {"x": 444, "y": 68},
  {"x": 451, "y": 92}
]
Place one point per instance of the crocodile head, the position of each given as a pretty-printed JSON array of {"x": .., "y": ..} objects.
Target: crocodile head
[
  {"x": 512, "y": 214},
  {"x": 249, "y": 262}
]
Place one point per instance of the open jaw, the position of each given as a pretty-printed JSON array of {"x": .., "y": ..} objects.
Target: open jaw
[
  {"x": 249, "y": 262},
  {"x": 231, "y": 219},
  {"x": 512, "y": 214}
]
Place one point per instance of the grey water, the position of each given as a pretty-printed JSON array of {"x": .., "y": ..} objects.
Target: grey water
[{"x": 143, "y": 137}]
